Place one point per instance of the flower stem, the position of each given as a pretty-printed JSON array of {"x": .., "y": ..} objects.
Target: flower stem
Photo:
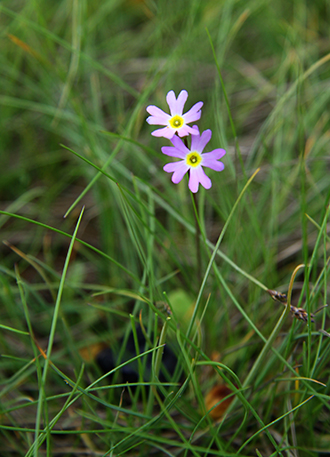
[
  {"x": 198, "y": 231},
  {"x": 197, "y": 239}
]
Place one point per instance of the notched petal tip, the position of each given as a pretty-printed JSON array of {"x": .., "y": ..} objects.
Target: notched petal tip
[
  {"x": 206, "y": 135},
  {"x": 171, "y": 100},
  {"x": 198, "y": 176},
  {"x": 220, "y": 152},
  {"x": 183, "y": 93},
  {"x": 182, "y": 132},
  {"x": 151, "y": 109},
  {"x": 196, "y": 107},
  {"x": 190, "y": 131},
  {"x": 173, "y": 152},
  {"x": 182, "y": 97},
  {"x": 170, "y": 93},
  {"x": 207, "y": 184}
]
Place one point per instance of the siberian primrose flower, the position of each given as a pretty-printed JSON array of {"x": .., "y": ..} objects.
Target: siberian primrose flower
[
  {"x": 176, "y": 122},
  {"x": 193, "y": 160}
]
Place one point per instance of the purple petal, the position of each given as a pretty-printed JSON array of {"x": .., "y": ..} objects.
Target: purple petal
[
  {"x": 158, "y": 116},
  {"x": 179, "y": 169},
  {"x": 176, "y": 105},
  {"x": 210, "y": 159},
  {"x": 197, "y": 176},
  {"x": 213, "y": 164},
  {"x": 182, "y": 98},
  {"x": 198, "y": 143},
  {"x": 173, "y": 152},
  {"x": 165, "y": 132},
  {"x": 179, "y": 144},
  {"x": 152, "y": 120},
  {"x": 215, "y": 154},
  {"x": 194, "y": 113},
  {"x": 171, "y": 100},
  {"x": 170, "y": 167},
  {"x": 186, "y": 130}
]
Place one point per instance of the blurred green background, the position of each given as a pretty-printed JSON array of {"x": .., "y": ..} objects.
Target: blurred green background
[{"x": 77, "y": 76}]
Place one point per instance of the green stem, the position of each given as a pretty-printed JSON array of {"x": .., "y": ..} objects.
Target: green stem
[
  {"x": 213, "y": 256},
  {"x": 197, "y": 240}
]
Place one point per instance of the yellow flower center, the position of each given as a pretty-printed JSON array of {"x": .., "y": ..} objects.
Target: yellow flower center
[
  {"x": 193, "y": 159},
  {"x": 176, "y": 122}
]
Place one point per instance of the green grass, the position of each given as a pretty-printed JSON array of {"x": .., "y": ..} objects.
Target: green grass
[{"x": 76, "y": 78}]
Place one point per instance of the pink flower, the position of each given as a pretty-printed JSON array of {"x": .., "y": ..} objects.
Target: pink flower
[
  {"x": 193, "y": 160},
  {"x": 176, "y": 122}
]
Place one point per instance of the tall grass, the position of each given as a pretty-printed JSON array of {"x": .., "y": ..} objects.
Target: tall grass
[{"x": 252, "y": 378}]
